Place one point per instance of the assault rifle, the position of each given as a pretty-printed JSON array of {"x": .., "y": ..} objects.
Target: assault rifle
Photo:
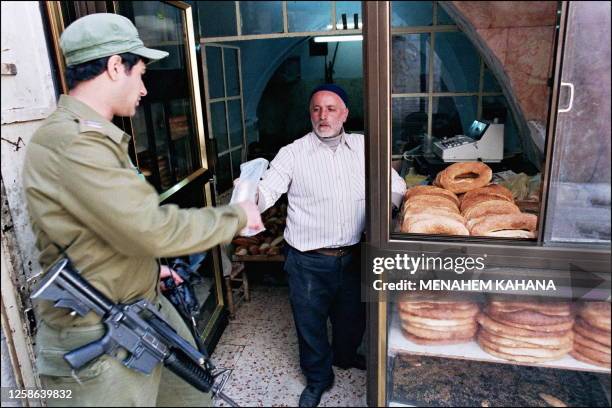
[{"x": 137, "y": 328}]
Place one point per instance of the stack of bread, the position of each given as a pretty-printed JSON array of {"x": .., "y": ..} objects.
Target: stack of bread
[
  {"x": 490, "y": 211},
  {"x": 528, "y": 330},
  {"x": 592, "y": 334},
  {"x": 436, "y": 318},
  {"x": 432, "y": 210},
  {"x": 462, "y": 202}
]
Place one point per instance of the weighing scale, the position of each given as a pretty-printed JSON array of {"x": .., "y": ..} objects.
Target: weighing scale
[{"x": 484, "y": 141}]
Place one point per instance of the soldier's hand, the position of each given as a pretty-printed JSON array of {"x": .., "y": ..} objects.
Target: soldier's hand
[
  {"x": 253, "y": 216},
  {"x": 165, "y": 272},
  {"x": 242, "y": 192}
]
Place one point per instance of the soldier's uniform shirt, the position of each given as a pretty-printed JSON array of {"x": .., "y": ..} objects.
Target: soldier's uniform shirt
[{"x": 84, "y": 195}]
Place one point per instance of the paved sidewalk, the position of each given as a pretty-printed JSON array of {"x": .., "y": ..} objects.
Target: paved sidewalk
[{"x": 260, "y": 345}]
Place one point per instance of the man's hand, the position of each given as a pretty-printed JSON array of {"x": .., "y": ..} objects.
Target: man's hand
[
  {"x": 253, "y": 216},
  {"x": 166, "y": 272}
]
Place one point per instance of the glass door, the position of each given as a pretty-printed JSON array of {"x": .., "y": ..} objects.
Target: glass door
[
  {"x": 224, "y": 109},
  {"x": 166, "y": 127},
  {"x": 579, "y": 195},
  {"x": 169, "y": 137}
]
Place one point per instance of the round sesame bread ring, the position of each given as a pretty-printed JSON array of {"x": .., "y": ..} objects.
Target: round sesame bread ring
[
  {"x": 520, "y": 221},
  {"x": 545, "y": 355},
  {"x": 467, "y": 203},
  {"x": 430, "y": 190},
  {"x": 438, "y": 225},
  {"x": 544, "y": 341},
  {"x": 437, "y": 342},
  {"x": 559, "y": 327},
  {"x": 420, "y": 205},
  {"x": 497, "y": 304},
  {"x": 440, "y": 311},
  {"x": 412, "y": 218},
  {"x": 551, "y": 306},
  {"x": 507, "y": 330},
  {"x": 602, "y": 359},
  {"x": 514, "y": 342},
  {"x": 528, "y": 317},
  {"x": 434, "y": 211},
  {"x": 456, "y": 177},
  {"x": 425, "y": 321},
  {"x": 593, "y": 333},
  {"x": 432, "y": 298},
  {"x": 527, "y": 351},
  {"x": 491, "y": 189},
  {"x": 586, "y": 342},
  {"x": 597, "y": 314},
  {"x": 492, "y": 207},
  {"x": 433, "y": 200},
  {"x": 469, "y": 224},
  {"x": 449, "y": 333},
  {"x": 585, "y": 359},
  {"x": 520, "y": 359},
  {"x": 462, "y": 327}
]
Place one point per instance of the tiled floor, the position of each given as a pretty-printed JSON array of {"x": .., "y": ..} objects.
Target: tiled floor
[{"x": 260, "y": 346}]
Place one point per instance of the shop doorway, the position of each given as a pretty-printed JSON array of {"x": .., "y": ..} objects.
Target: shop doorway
[{"x": 278, "y": 63}]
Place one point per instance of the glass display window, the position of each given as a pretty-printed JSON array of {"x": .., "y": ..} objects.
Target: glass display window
[{"x": 166, "y": 129}]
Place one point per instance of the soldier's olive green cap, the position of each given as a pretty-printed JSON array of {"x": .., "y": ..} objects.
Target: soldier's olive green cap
[{"x": 102, "y": 35}]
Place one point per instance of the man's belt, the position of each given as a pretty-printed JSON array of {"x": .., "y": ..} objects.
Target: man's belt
[{"x": 341, "y": 251}]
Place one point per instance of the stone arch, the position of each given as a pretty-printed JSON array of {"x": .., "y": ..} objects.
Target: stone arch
[
  {"x": 490, "y": 25},
  {"x": 264, "y": 73}
]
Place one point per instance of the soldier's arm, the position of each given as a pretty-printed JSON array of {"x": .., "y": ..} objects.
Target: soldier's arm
[{"x": 124, "y": 210}]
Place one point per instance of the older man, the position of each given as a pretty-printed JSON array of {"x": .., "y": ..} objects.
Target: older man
[{"x": 323, "y": 174}]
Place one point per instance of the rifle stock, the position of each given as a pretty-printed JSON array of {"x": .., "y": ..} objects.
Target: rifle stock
[{"x": 137, "y": 327}]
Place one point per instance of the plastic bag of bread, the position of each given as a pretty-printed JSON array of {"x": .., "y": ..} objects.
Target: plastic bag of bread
[
  {"x": 534, "y": 188},
  {"x": 518, "y": 184},
  {"x": 412, "y": 178}
]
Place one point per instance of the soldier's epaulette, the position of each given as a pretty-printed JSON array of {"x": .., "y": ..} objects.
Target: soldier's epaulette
[{"x": 90, "y": 126}]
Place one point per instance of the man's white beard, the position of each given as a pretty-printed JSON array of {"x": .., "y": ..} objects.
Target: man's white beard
[{"x": 326, "y": 134}]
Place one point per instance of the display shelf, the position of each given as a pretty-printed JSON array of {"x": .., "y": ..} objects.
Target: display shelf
[{"x": 398, "y": 344}]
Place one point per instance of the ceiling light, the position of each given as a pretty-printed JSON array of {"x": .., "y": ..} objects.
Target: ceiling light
[{"x": 338, "y": 38}]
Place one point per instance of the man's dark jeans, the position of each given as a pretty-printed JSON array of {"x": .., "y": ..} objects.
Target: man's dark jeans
[{"x": 322, "y": 286}]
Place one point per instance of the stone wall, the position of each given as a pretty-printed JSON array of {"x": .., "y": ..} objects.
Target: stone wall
[
  {"x": 28, "y": 97},
  {"x": 521, "y": 35}
]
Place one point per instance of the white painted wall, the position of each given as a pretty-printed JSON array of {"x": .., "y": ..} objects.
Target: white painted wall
[{"x": 27, "y": 98}]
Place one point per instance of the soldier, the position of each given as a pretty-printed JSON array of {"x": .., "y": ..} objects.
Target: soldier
[{"x": 86, "y": 199}]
